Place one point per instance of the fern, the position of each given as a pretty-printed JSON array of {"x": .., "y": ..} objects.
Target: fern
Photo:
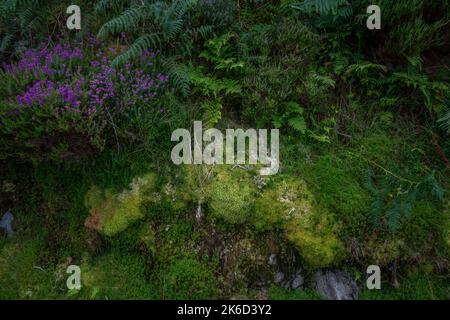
[
  {"x": 321, "y": 7},
  {"x": 212, "y": 112},
  {"x": 397, "y": 200},
  {"x": 211, "y": 86},
  {"x": 160, "y": 25},
  {"x": 445, "y": 121},
  {"x": 178, "y": 75},
  {"x": 126, "y": 21}
]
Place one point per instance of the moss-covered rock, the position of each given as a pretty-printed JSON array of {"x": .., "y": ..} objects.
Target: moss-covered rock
[
  {"x": 111, "y": 213},
  {"x": 290, "y": 205},
  {"x": 231, "y": 195}
]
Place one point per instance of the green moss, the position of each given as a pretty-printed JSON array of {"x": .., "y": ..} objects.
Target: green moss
[
  {"x": 188, "y": 278},
  {"x": 417, "y": 287},
  {"x": 291, "y": 206},
  {"x": 379, "y": 147},
  {"x": 337, "y": 184},
  {"x": 231, "y": 196},
  {"x": 147, "y": 238},
  {"x": 111, "y": 213},
  {"x": 117, "y": 275},
  {"x": 426, "y": 230},
  {"x": 383, "y": 250},
  {"x": 20, "y": 275},
  {"x": 317, "y": 244}
]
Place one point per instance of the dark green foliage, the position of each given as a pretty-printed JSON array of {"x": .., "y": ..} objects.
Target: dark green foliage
[
  {"x": 363, "y": 117},
  {"x": 164, "y": 25},
  {"x": 397, "y": 198}
]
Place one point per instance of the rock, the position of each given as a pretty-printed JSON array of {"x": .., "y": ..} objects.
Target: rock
[
  {"x": 297, "y": 281},
  {"x": 272, "y": 259},
  {"x": 336, "y": 285},
  {"x": 6, "y": 223},
  {"x": 279, "y": 276}
]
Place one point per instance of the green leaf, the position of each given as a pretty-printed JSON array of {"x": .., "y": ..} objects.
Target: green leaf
[{"x": 298, "y": 124}]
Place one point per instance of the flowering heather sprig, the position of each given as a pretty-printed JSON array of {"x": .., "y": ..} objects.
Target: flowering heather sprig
[
  {"x": 44, "y": 60},
  {"x": 38, "y": 93},
  {"x": 101, "y": 86},
  {"x": 41, "y": 91},
  {"x": 97, "y": 86}
]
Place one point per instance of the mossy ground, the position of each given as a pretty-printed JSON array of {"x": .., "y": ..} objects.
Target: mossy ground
[{"x": 170, "y": 253}]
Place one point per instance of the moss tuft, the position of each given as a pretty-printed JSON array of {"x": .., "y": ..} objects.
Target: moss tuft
[{"x": 111, "y": 213}]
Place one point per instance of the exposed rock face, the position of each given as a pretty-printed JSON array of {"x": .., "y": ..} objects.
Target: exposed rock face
[
  {"x": 336, "y": 285},
  {"x": 279, "y": 276},
  {"x": 295, "y": 281}
]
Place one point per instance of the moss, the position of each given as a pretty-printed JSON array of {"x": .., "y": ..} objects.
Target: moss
[
  {"x": 20, "y": 275},
  {"x": 337, "y": 184},
  {"x": 231, "y": 196},
  {"x": 426, "y": 230},
  {"x": 383, "y": 250},
  {"x": 147, "y": 238},
  {"x": 188, "y": 278},
  {"x": 417, "y": 287},
  {"x": 312, "y": 230},
  {"x": 117, "y": 275},
  {"x": 379, "y": 147},
  {"x": 318, "y": 245},
  {"x": 111, "y": 213}
]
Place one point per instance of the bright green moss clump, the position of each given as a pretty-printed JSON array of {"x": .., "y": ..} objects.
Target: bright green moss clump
[
  {"x": 290, "y": 205},
  {"x": 111, "y": 213},
  {"x": 231, "y": 196},
  {"x": 338, "y": 186}
]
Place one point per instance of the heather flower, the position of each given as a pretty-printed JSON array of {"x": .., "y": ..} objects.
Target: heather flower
[
  {"x": 99, "y": 85},
  {"x": 38, "y": 93}
]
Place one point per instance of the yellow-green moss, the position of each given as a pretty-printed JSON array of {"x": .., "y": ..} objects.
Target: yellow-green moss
[
  {"x": 290, "y": 205},
  {"x": 231, "y": 195},
  {"x": 382, "y": 251},
  {"x": 111, "y": 213}
]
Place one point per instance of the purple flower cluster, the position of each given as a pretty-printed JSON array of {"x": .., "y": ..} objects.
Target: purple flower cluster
[
  {"x": 101, "y": 86},
  {"x": 58, "y": 75},
  {"x": 144, "y": 87},
  {"x": 44, "y": 61},
  {"x": 38, "y": 93},
  {"x": 42, "y": 90},
  {"x": 71, "y": 96}
]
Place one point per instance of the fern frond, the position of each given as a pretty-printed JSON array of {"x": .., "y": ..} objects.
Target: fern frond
[
  {"x": 178, "y": 75},
  {"x": 126, "y": 21},
  {"x": 145, "y": 42}
]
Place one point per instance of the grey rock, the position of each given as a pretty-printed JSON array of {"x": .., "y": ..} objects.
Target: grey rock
[
  {"x": 297, "y": 281},
  {"x": 272, "y": 259},
  {"x": 336, "y": 285},
  {"x": 279, "y": 276},
  {"x": 6, "y": 223}
]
